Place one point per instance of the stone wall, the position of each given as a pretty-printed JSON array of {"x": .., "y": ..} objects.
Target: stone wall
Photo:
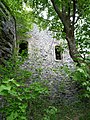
[
  {"x": 44, "y": 66},
  {"x": 7, "y": 33},
  {"x": 41, "y": 46},
  {"x": 44, "y": 44}
]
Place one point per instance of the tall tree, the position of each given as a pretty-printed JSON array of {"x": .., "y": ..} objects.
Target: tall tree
[{"x": 62, "y": 16}]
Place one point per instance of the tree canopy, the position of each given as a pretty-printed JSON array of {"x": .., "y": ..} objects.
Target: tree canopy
[{"x": 66, "y": 18}]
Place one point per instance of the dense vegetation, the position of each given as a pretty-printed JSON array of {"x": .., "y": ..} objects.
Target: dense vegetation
[
  {"x": 68, "y": 20},
  {"x": 21, "y": 100}
]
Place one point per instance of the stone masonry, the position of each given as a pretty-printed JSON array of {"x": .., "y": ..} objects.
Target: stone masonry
[
  {"x": 44, "y": 66},
  {"x": 7, "y": 33}
]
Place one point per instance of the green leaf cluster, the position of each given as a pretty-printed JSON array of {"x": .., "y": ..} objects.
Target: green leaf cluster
[
  {"x": 16, "y": 93},
  {"x": 50, "y": 113},
  {"x": 17, "y": 98},
  {"x": 82, "y": 77},
  {"x": 22, "y": 16}
]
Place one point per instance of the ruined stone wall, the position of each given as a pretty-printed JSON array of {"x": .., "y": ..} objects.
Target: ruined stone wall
[
  {"x": 7, "y": 33},
  {"x": 41, "y": 45},
  {"x": 44, "y": 66}
]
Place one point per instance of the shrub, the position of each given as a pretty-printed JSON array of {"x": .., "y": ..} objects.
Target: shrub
[
  {"x": 17, "y": 95},
  {"x": 82, "y": 77}
]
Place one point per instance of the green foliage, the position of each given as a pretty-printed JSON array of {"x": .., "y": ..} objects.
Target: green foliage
[
  {"x": 25, "y": 101},
  {"x": 82, "y": 77},
  {"x": 17, "y": 98},
  {"x": 50, "y": 113},
  {"x": 12, "y": 70},
  {"x": 17, "y": 94},
  {"x": 83, "y": 37},
  {"x": 22, "y": 16},
  {"x": 60, "y": 48}
]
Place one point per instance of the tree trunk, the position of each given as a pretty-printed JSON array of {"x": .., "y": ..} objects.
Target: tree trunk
[
  {"x": 72, "y": 49},
  {"x": 64, "y": 16},
  {"x": 72, "y": 46}
]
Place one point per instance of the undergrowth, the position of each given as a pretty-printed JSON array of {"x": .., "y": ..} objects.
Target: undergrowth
[{"x": 22, "y": 101}]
